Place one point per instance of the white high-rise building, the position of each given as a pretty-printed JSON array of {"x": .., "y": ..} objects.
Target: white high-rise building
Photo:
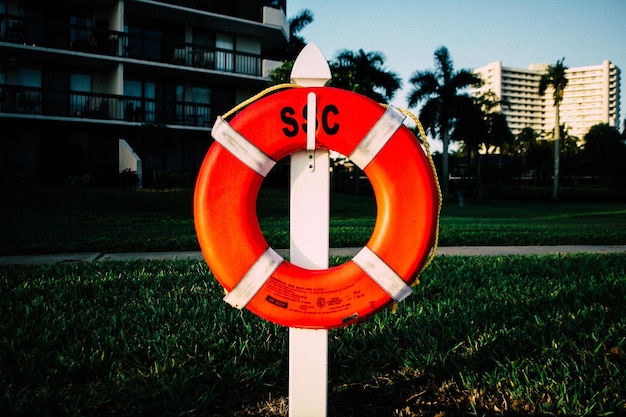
[{"x": 592, "y": 96}]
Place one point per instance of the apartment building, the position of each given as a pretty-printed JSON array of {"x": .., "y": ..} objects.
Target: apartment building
[
  {"x": 592, "y": 96},
  {"x": 78, "y": 76}
]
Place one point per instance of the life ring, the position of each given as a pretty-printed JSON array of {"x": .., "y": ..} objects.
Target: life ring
[{"x": 231, "y": 240}]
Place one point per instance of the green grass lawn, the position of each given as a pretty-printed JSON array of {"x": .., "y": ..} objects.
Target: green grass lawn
[
  {"x": 55, "y": 220},
  {"x": 538, "y": 335}
]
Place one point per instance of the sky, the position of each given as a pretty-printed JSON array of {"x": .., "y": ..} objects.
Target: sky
[{"x": 476, "y": 33}]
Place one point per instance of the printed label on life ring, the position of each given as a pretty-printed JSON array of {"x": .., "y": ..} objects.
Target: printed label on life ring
[
  {"x": 310, "y": 300},
  {"x": 376, "y": 140}
]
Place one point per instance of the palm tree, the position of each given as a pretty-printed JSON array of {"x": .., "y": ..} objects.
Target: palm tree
[
  {"x": 364, "y": 73},
  {"x": 470, "y": 128},
  {"x": 480, "y": 125},
  {"x": 289, "y": 53},
  {"x": 296, "y": 24},
  {"x": 525, "y": 140},
  {"x": 555, "y": 77},
  {"x": 440, "y": 91},
  {"x": 605, "y": 149}
]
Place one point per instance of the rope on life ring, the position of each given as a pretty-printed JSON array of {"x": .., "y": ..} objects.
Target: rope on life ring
[{"x": 268, "y": 128}]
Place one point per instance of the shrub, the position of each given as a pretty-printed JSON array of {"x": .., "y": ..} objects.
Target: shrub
[{"x": 128, "y": 179}]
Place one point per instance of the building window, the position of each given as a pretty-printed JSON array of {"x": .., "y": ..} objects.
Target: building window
[
  {"x": 29, "y": 98},
  {"x": 193, "y": 109},
  {"x": 144, "y": 43},
  {"x": 203, "y": 48},
  {"x": 81, "y": 33},
  {"x": 3, "y": 98},
  {"x": 140, "y": 100},
  {"x": 80, "y": 104},
  {"x": 29, "y": 77},
  {"x": 224, "y": 54},
  {"x": 30, "y": 31},
  {"x": 3, "y": 26},
  {"x": 201, "y": 97}
]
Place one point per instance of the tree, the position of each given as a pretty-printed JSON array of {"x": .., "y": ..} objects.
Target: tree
[
  {"x": 153, "y": 141},
  {"x": 536, "y": 154},
  {"x": 556, "y": 78},
  {"x": 471, "y": 128},
  {"x": 289, "y": 52},
  {"x": 472, "y": 131},
  {"x": 605, "y": 149},
  {"x": 360, "y": 72},
  {"x": 440, "y": 90},
  {"x": 569, "y": 144},
  {"x": 478, "y": 126},
  {"x": 568, "y": 159},
  {"x": 296, "y": 24},
  {"x": 525, "y": 140},
  {"x": 496, "y": 132},
  {"x": 281, "y": 74},
  {"x": 364, "y": 73}
]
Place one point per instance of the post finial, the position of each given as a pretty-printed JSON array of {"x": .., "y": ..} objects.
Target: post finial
[{"x": 310, "y": 68}]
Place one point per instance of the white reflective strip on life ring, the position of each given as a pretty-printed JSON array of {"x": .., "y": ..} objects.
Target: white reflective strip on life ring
[
  {"x": 241, "y": 147},
  {"x": 311, "y": 105},
  {"x": 377, "y": 137},
  {"x": 380, "y": 272},
  {"x": 254, "y": 279}
]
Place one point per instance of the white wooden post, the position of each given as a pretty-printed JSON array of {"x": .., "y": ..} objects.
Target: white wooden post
[{"x": 309, "y": 242}]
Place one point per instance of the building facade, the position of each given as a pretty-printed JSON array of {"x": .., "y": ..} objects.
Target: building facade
[
  {"x": 592, "y": 96},
  {"x": 78, "y": 76}
]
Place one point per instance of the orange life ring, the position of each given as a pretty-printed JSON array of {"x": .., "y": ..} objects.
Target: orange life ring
[{"x": 232, "y": 242}]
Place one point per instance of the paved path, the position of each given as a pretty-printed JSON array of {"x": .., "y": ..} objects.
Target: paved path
[{"x": 195, "y": 255}]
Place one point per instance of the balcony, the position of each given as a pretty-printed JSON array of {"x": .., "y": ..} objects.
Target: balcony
[
  {"x": 242, "y": 9},
  {"x": 94, "y": 41},
  {"x": 18, "y": 100}
]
